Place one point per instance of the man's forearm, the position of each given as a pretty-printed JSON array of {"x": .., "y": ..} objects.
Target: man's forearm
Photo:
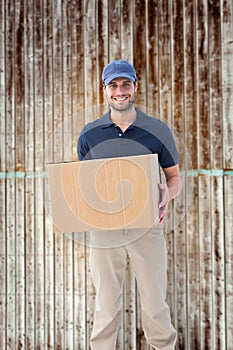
[{"x": 174, "y": 186}]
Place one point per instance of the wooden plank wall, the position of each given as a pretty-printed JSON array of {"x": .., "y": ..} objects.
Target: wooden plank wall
[{"x": 51, "y": 57}]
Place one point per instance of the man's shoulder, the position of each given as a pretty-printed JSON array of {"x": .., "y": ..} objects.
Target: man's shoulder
[
  {"x": 151, "y": 121},
  {"x": 97, "y": 123}
]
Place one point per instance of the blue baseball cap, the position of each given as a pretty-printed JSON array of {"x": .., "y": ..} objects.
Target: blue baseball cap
[{"x": 118, "y": 69}]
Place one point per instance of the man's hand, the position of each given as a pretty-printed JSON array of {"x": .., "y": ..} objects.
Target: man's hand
[
  {"x": 169, "y": 190},
  {"x": 163, "y": 205}
]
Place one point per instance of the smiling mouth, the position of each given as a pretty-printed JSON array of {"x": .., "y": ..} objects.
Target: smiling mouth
[{"x": 120, "y": 99}]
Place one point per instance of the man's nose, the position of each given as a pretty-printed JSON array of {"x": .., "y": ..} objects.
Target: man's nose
[{"x": 120, "y": 89}]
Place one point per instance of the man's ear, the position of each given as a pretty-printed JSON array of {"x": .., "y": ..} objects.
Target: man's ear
[{"x": 104, "y": 88}]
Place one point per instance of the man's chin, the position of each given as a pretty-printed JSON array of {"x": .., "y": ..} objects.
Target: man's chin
[{"x": 122, "y": 108}]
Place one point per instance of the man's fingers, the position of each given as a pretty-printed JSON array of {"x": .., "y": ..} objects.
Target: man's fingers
[{"x": 162, "y": 204}]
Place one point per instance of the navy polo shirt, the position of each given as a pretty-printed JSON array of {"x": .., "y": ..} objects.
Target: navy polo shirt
[{"x": 104, "y": 139}]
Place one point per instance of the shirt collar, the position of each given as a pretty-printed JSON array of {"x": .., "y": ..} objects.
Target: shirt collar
[
  {"x": 106, "y": 120},
  {"x": 141, "y": 119}
]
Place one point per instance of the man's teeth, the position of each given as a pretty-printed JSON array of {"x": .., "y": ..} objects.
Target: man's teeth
[{"x": 120, "y": 98}]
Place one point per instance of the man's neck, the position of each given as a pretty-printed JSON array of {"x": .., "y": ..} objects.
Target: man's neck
[{"x": 124, "y": 117}]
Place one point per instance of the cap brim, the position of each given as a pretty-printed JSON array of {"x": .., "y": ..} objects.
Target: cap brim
[{"x": 114, "y": 76}]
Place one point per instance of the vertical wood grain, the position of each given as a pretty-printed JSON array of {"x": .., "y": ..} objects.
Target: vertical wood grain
[
  {"x": 216, "y": 153},
  {"x": 177, "y": 262},
  {"x": 192, "y": 234},
  {"x": 20, "y": 165},
  {"x": 215, "y": 75},
  {"x": 139, "y": 40},
  {"x": 127, "y": 26},
  {"x": 203, "y": 85},
  {"x": 3, "y": 265},
  {"x": 152, "y": 27},
  {"x": 48, "y": 156},
  {"x": 164, "y": 85},
  {"x": 138, "y": 43},
  {"x": 58, "y": 119},
  {"x": 90, "y": 84},
  {"x": 79, "y": 288},
  {"x": 218, "y": 258},
  {"x": 130, "y": 311},
  {"x": 38, "y": 159},
  {"x": 29, "y": 182},
  {"x": 227, "y": 80},
  {"x": 205, "y": 257},
  {"x": 164, "y": 42},
  {"x": 227, "y": 109},
  {"x": 205, "y": 236},
  {"x": 67, "y": 139},
  {"x": 102, "y": 50},
  {"x": 3, "y": 209},
  {"x": 91, "y": 92},
  {"x": 51, "y": 58},
  {"x": 228, "y": 241},
  {"x": 114, "y": 29},
  {"x": 10, "y": 185}
]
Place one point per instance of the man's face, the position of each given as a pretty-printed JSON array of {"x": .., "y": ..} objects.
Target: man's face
[{"x": 120, "y": 94}]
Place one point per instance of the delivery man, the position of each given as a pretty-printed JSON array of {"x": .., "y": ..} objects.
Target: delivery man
[{"x": 126, "y": 131}]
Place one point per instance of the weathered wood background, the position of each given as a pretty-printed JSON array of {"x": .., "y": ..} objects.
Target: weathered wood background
[{"x": 51, "y": 57}]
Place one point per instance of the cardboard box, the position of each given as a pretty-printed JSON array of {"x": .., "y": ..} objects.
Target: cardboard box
[{"x": 105, "y": 194}]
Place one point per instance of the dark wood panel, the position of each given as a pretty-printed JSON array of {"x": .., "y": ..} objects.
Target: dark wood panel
[
  {"x": 139, "y": 50},
  {"x": 215, "y": 75},
  {"x": 152, "y": 53},
  {"x": 203, "y": 89},
  {"x": 227, "y": 81}
]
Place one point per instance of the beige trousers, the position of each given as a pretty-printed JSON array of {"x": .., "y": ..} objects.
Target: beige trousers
[{"x": 148, "y": 258}]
